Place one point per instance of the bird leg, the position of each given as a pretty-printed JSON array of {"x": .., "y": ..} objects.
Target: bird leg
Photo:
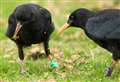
[
  {"x": 114, "y": 62},
  {"x": 53, "y": 63},
  {"x": 21, "y": 56},
  {"x": 47, "y": 50},
  {"x": 110, "y": 69}
]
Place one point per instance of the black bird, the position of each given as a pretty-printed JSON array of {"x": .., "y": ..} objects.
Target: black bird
[
  {"x": 30, "y": 24},
  {"x": 102, "y": 27}
]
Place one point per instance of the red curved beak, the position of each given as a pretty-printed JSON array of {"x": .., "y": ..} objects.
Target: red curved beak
[
  {"x": 18, "y": 27},
  {"x": 64, "y": 27}
]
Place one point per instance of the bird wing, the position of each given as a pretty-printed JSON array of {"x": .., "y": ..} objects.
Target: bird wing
[{"x": 103, "y": 27}]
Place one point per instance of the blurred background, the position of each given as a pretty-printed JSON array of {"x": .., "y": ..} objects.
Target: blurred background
[{"x": 87, "y": 59}]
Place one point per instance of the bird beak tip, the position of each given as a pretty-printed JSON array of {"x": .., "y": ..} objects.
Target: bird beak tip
[{"x": 64, "y": 27}]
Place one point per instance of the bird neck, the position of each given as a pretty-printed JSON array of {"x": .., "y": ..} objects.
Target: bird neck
[{"x": 90, "y": 15}]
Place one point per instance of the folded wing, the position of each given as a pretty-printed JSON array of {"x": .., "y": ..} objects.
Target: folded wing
[{"x": 105, "y": 26}]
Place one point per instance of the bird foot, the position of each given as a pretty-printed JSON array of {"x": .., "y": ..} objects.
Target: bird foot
[
  {"x": 108, "y": 71},
  {"x": 23, "y": 70}
]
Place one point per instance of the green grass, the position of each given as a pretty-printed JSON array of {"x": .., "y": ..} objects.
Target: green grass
[{"x": 88, "y": 68}]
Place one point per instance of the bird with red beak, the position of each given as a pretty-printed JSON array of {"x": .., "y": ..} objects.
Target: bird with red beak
[
  {"x": 102, "y": 27},
  {"x": 30, "y": 24}
]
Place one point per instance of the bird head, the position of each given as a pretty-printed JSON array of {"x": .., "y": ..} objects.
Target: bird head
[
  {"x": 24, "y": 15},
  {"x": 78, "y": 18}
]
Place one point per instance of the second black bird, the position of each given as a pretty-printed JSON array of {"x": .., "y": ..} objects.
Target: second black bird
[{"x": 102, "y": 27}]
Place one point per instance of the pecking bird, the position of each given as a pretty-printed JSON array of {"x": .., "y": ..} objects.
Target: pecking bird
[
  {"x": 102, "y": 27},
  {"x": 30, "y": 24}
]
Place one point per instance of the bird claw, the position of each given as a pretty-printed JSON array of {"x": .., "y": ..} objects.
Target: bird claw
[{"x": 108, "y": 71}]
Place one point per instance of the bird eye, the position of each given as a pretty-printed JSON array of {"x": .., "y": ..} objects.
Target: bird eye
[
  {"x": 18, "y": 17},
  {"x": 71, "y": 17}
]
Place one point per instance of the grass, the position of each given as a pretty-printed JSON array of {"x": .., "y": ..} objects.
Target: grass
[{"x": 89, "y": 67}]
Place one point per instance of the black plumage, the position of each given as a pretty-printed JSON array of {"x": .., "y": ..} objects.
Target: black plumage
[
  {"x": 30, "y": 24},
  {"x": 102, "y": 27}
]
